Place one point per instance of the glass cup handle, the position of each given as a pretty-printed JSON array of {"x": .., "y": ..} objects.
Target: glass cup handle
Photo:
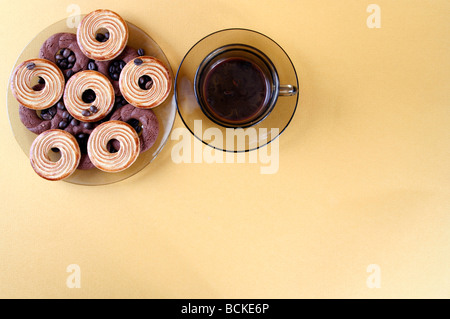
[{"x": 287, "y": 90}]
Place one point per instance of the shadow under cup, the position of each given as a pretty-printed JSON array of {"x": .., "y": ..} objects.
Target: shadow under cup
[{"x": 237, "y": 86}]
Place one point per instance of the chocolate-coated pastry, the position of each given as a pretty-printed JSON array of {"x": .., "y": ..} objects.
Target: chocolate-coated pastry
[
  {"x": 113, "y": 68},
  {"x": 143, "y": 121},
  {"x": 47, "y": 120},
  {"x": 63, "y": 50},
  {"x": 55, "y": 117}
]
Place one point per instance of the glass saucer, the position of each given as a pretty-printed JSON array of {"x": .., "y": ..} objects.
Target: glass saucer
[
  {"x": 214, "y": 134},
  {"x": 165, "y": 113}
]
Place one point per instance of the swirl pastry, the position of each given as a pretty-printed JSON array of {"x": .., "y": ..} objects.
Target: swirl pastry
[
  {"x": 89, "y": 41},
  {"x": 100, "y": 92},
  {"x": 154, "y": 74},
  {"x": 144, "y": 122},
  {"x": 22, "y": 88},
  {"x": 67, "y": 146},
  {"x": 127, "y": 154}
]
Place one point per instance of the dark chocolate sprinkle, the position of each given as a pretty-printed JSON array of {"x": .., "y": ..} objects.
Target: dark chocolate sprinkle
[
  {"x": 52, "y": 111},
  {"x": 88, "y": 125},
  {"x": 61, "y": 105},
  {"x": 92, "y": 66},
  {"x": 135, "y": 124},
  {"x": 69, "y": 73},
  {"x": 115, "y": 69},
  {"x": 63, "y": 124},
  {"x": 145, "y": 82},
  {"x": 38, "y": 87},
  {"x": 93, "y": 109},
  {"x": 148, "y": 85},
  {"x": 86, "y": 113},
  {"x": 46, "y": 116},
  {"x": 65, "y": 59}
]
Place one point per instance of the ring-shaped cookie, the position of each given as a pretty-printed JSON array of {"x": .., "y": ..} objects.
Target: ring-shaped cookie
[
  {"x": 127, "y": 154},
  {"x": 81, "y": 82},
  {"x": 22, "y": 87},
  {"x": 74, "y": 62},
  {"x": 69, "y": 150},
  {"x": 87, "y": 32},
  {"x": 36, "y": 123},
  {"x": 158, "y": 73}
]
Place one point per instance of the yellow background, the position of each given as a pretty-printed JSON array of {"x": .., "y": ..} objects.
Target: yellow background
[{"x": 364, "y": 172}]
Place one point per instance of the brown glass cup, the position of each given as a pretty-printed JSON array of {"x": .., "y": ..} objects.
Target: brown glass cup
[{"x": 237, "y": 86}]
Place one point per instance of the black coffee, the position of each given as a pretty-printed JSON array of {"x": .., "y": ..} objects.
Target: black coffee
[{"x": 235, "y": 90}]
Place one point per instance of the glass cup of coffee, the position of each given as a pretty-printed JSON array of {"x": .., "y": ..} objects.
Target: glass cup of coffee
[
  {"x": 237, "y": 86},
  {"x": 236, "y": 81}
]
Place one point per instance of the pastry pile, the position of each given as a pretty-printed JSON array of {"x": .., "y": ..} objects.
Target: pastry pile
[{"x": 89, "y": 98}]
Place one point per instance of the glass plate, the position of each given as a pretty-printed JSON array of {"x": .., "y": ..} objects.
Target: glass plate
[
  {"x": 212, "y": 133},
  {"x": 166, "y": 112}
]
